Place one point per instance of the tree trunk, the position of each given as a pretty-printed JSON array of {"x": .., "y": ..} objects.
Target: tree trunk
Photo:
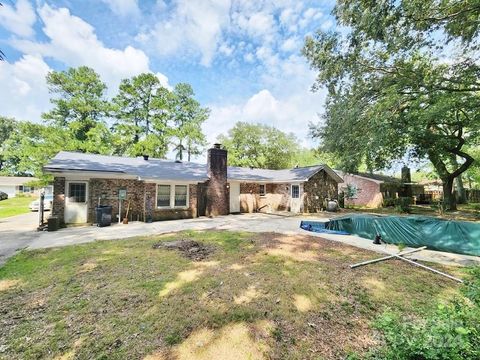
[
  {"x": 460, "y": 190},
  {"x": 449, "y": 198},
  {"x": 461, "y": 195}
]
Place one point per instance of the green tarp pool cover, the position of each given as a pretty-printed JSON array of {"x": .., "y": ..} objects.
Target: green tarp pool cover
[{"x": 461, "y": 237}]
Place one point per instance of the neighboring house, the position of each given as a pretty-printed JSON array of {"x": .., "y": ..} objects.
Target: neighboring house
[
  {"x": 159, "y": 189},
  {"x": 374, "y": 190},
  {"x": 13, "y": 185}
]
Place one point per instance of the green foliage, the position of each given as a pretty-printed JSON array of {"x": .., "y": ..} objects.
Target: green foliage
[
  {"x": 259, "y": 146},
  {"x": 188, "y": 117},
  {"x": 80, "y": 108},
  {"x": 389, "y": 93},
  {"x": 147, "y": 117},
  {"x": 403, "y": 204},
  {"x": 7, "y": 126},
  {"x": 30, "y": 146},
  {"x": 142, "y": 108},
  {"x": 310, "y": 157},
  {"x": 451, "y": 331}
]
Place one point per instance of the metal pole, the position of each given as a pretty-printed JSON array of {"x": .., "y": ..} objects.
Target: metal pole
[
  {"x": 41, "y": 207},
  {"x": 387, "y": 257},
  {"x": 429, "y": 268},
  {"x": 119, "y": 210}
]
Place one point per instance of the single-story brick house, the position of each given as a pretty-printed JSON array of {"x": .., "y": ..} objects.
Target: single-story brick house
[
  {"x": 376, "y": 190},
  {"x": 158, "y": 189}
]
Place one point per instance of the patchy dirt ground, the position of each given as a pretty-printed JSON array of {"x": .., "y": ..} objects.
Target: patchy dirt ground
[
  {"x": 236, "y": 296},
  {"x": 189, "y": 248}
]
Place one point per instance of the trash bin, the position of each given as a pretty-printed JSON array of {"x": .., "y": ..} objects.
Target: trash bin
[
  {"x": 103, "y": 215},
  {"x": 53, "y": 223}
]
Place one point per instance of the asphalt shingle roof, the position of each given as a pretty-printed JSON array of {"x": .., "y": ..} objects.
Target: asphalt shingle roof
[
  {"x": 158, "y": 169},
  {"x": 16, "y": 180}
]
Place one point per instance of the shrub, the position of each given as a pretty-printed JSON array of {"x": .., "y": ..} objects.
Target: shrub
[
  {"x": 402, "y": 204},
  {"x": 387, "y": 202},
  {"x": 451, "y": 331}
]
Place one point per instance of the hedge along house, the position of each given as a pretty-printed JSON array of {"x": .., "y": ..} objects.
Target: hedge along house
[{"x": 162, "y": 190}]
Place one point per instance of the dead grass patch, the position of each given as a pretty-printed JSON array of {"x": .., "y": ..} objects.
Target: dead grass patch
[
  {"x": 246, "y": 296},
  {"x": 232, "y": 342},
  {"x": 8, "y": 284},
  {"x": 376, "y": 286},
  {"x": 86, "y": 267},
  {"x": 183, "y": 278},
  {"x": 236, "y": 267},
  {"x": 302, "y": 303}
]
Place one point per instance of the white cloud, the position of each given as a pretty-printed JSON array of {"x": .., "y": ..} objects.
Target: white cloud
[
  {"x": 285, "y": 102},
  {"x": 24, "y": 92},
  {"x": 74, "y": 42},
  {"x": 123, "y": 7},
  {"x": 291, "y": 44},
  {"x": 289, "y": 114},
  {"x": 191, "y": 24},
  {"x": 259, "y": 25},
  {"x": 19, "y": 19}
]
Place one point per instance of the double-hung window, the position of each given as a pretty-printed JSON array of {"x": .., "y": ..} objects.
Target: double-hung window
[
  {"x": 163, "y": 196},
  {"x": 180, "y": 195},
  {"x": 172, "y": 196}
]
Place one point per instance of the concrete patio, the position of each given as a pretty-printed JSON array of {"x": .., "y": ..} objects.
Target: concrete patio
[{"x": 15, "y": 238}]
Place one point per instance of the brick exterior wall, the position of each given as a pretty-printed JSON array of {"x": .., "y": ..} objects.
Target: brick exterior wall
[
  {"x": 173, "y": 214},
  {"x": 217, "y": 191},
  {"x": 319, "y": 187},
  {"x": 368, "y": 191},
  {"x": 107, "y": 191},
  {"x": 277, "y": 197},
  {"x": 58, "y": 204},
  {"x": 142, "y": 197}
]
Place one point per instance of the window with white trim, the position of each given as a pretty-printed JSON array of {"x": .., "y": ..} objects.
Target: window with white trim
[
  {"x": 295, "y": 191},
  {"x": 77, "y": 192},
  {"x": 163, "y": 195},
  {"x": 180, "y": 195},
  {"x": 262, "y": 190}
]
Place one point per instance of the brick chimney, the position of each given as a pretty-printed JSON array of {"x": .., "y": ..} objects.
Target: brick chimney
[
  {"x": 217, "y": 191},
  {"x": 406, "y": 176},
  {"x": 406, "y": 181}
]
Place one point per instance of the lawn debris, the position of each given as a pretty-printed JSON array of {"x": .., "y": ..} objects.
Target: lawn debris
[{"x": 193, "y": 250}]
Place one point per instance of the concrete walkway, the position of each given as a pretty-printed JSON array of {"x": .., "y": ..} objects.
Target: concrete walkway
[{"x": 243, "y": 222}]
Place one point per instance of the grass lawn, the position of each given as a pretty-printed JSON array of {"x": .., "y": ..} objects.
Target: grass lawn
[
  {"x": 15, "y": 206},
  {"x": 255, "y": 296}
]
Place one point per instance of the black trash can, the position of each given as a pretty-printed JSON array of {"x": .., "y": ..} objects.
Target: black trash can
[
  {"x": 53, "y": 223},
  {"x": 103, "y": 215}
]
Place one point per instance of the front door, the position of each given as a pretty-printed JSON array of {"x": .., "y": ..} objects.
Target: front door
[
  {"x": 76, "y": 204},
  {"x": 234, "y": 197},
  {"x": 295, "y": 198}
]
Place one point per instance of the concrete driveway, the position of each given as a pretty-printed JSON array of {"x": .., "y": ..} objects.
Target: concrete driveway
[
  {"x": 14, "y": 236},
  {"x": 17, "y": 232}
]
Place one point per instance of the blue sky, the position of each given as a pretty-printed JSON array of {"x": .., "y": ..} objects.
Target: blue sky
[{"x": 242, "y": 57}]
